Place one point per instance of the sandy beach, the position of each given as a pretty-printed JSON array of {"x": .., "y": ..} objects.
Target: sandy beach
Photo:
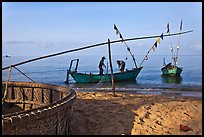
[{"x": 100, "y": 113}]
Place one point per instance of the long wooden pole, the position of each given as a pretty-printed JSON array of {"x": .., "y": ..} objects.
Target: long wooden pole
[
  {"x": 111, "y": 68},
  {"x": 91, "y": 46}
]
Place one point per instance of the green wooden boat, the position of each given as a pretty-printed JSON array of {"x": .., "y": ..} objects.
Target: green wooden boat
[
  {"x": 95, "y": 78},
  {"x": 171, "y": 70}
]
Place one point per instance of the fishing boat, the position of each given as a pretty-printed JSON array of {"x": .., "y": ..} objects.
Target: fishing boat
[
  {"x": 95, "y": 78},
  {"x": 172, "y": 69}
]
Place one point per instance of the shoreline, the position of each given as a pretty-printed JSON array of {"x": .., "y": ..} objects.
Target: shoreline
[
  {"x": 148, "y": 91},
  {"x": 99, "y": 113}
]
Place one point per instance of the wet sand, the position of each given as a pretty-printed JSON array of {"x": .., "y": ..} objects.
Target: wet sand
[{"x": 100, "y": 113}]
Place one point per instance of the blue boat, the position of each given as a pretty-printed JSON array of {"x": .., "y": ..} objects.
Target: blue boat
[{"x": 95, "y": 78}]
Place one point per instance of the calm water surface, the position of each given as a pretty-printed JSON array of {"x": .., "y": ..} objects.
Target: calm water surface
[{"x": 53, "y": 71}]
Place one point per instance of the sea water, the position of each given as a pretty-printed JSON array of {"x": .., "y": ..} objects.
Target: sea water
[{"x": 53, "y": 70}]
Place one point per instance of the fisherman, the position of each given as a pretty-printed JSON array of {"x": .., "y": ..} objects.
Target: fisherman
[
  {"x": 101, "y": 64},
  {"x": 121, "y": 65}
]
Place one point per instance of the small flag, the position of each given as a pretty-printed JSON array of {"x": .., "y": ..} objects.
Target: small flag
[
  {"x": 146, "y": 58},
  {"x": 158, "y": 40},
  {"x": 148, "y": 52},
  {"x": 167, "y": 27},
  {"x": 171, "y": 49},
  {"x": 153, "y": 47},
  {"x": 121, "y": 37},
  {"x": 116, "y": 29},
  {"x": 155, "y": 44},
  {"x": 162, "y": 36},
  {"x": 181, "y": 25},
  {"x": 128, "y": 49}
]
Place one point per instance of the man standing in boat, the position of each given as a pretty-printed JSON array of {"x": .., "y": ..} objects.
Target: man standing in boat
[
  {"x": 101, "y": 64},
  {"x": 121, "y": 65}
]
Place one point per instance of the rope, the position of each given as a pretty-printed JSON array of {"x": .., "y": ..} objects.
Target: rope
[
  {"x": 177, "y": 49},
  {"x": 175, "y": 57},
  {"x": 178, "y": 43},
  {"x": 131, "y": 55},
  {"x": 128, "y": 49},
  {"x": 102, "y": 81},
  {"x": 6, "y": 89},
  {"x": 145, "y": 58},
  {"x": 171, "y": 44},
  {"x": 24, "y": 74},
  {"x": 9, "y": 74}
]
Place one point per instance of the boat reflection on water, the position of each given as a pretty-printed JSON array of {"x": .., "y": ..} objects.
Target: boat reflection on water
[{"x": 171, "y": 79}]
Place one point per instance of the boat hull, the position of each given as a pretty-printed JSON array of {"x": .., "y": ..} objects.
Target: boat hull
[
  {"x": 171, "y": 70},
  {"x": 94, "y": 78},
  {"x": 173, "y": 80}
]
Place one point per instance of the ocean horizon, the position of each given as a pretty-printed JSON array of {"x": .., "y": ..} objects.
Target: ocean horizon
[{"x": 54, "y": 71}]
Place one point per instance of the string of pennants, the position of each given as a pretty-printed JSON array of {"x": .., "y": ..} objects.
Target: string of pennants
[
  {"x": 118, "y": 32},
  {"x": 158, "y": 42},
  {"x": 122, "y": 40},
  {"x": 154, "y": 46}
]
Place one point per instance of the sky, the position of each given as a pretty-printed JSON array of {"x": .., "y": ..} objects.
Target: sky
[{"x": 43, "y": 28}]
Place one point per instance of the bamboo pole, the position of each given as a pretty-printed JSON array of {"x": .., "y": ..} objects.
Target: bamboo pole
[
  {"x": 91, "y": 46},
  {"x": 111, "y": 68}
]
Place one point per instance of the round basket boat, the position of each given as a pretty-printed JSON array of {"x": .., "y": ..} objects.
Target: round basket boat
[{"x": 37, "y": 109}]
